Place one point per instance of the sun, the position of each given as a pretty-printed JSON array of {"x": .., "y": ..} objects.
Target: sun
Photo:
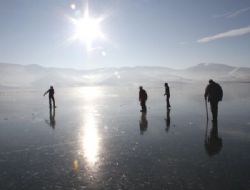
[{"x": 88, "y": 29}]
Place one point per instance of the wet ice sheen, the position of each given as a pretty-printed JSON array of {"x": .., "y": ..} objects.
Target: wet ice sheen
[{"x": 100, "y": 140}]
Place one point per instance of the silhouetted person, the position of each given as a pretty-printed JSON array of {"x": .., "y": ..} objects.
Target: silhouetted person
[
  {"x": 52, "y": 121},
  {"x": 213, "y": 143},
  {"x": 167, "y": 94},
  {"x": 51, "y": 96},
  {"x": 168, "y": 120},
  {"x": 143, "y": 123},
  {"x": 213, "y": 94},
  {"x": 143, "y": 98}
]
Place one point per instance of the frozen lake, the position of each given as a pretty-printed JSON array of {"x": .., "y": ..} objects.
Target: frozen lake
[{"x": 98, "y": 139}]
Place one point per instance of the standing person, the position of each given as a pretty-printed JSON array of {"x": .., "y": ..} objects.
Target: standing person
[
  {"x": 167, "y": 94},
  {"x": 143, "y": 98},
  {"x": 213, "y": 94},
  {"x": 51, "y": 96}
]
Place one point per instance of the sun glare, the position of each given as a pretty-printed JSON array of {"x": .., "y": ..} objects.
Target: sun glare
[
  {"x": 87, "y": 29},
  {"x": 90, "y": 138}
]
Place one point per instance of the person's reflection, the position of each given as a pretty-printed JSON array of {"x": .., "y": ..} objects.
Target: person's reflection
[
  {"x": 213, "y": 143},
  {"x": 167, "y": 120},
  {"x": 52, "y": 121},
  {"x": 143, "y": 123}
]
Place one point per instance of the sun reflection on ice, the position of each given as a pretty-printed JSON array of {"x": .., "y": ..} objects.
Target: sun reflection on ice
[
  {"x": 89, "y": 136},
  {"x": 89, "y": 94}
]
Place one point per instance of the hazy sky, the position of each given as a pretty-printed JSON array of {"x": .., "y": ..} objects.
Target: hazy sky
[{"x": 171, "y": 33}]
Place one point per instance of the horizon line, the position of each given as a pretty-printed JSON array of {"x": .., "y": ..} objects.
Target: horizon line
[{"x": 114, "y": 67}]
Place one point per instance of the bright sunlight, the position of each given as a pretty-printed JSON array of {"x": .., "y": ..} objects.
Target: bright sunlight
[{"x": 88, "y": 29}]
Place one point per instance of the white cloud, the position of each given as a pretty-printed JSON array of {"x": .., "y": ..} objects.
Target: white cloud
[
  {"x": 230, "y": 33},
  {"x": 233, "y": 14}
]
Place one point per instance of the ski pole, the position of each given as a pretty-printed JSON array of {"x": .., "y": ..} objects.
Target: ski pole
[{"x": 206, "y": 107}]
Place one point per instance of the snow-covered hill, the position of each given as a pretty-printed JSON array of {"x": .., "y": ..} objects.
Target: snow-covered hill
[{"x": 13, "y": 75}]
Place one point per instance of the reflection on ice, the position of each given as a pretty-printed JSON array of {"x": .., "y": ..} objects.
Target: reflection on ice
[
  {"x": 52, "y": 121},
  {"x": 90, "y": 135},
  {"x": 143, "y": 123},
  {"x": 167, "y": 120},
  {"x": 90, "y": 141},
  {"x": 89, "y": 93},
  {"x": 213, "y": 143}
]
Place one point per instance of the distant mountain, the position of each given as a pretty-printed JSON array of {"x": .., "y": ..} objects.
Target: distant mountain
[
  {"x": 210, "y": 67},
  {"x": 14, "y": 75},
  {"x": 219, "y": 72}
]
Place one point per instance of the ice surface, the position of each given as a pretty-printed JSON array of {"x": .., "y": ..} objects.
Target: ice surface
[{"x": 98, "y": 139}]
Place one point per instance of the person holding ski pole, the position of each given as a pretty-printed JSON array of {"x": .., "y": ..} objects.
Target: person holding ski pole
[{"x": 213, "y": 94}]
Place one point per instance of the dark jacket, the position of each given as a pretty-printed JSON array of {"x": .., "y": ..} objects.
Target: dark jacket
[
  {"x": 167, "y": 91},
  {"x": 50, "y": 91},
  {"x": 213, "y": 92},
  {"x": 143, "y": 95}
]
